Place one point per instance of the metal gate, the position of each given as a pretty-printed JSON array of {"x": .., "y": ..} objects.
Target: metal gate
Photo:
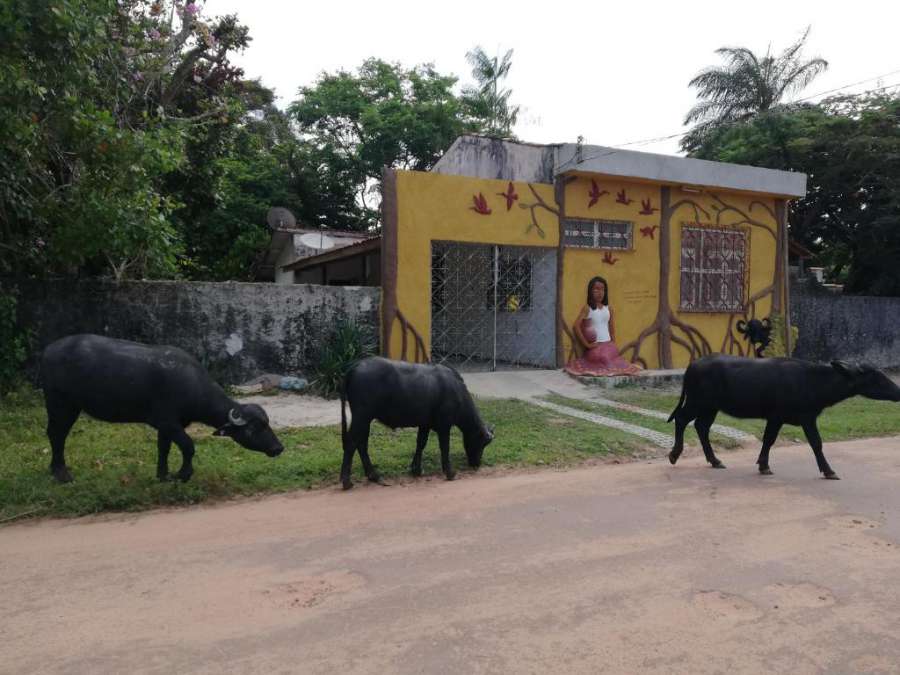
[{"x": 493, "y": 306}]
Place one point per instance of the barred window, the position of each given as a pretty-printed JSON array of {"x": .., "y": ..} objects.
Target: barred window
[
  {"x": 713, "y": 269},
  {"x": 597, "y": 233}
]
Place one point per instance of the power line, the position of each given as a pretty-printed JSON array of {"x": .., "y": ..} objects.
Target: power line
[{"x": 648, "y": 141}]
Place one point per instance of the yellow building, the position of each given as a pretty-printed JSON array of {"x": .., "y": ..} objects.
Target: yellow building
[{"x": 486, "y": 259}]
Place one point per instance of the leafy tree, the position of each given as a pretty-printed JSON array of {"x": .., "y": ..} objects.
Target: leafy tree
[
  {"x": 488, "y": 102},
  {"x": 99, "y": 102},
  {"x": 354, "y": 124},
  {"x": 746, "y": 85},
  {"x": 850, "y": 149}
]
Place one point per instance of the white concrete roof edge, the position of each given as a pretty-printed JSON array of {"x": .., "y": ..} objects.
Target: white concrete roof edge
[{"x": 679, "y": 170}]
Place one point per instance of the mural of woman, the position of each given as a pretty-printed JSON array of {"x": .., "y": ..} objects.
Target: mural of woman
[{"x": 596, "y": 332}]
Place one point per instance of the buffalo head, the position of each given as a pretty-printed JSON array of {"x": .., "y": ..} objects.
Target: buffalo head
[
  {"x": 866, "y": 380},
  {"x": 757, "y": 332},
  {"x": 248, "y": 425},
  {"x": 475, "y": 443}
]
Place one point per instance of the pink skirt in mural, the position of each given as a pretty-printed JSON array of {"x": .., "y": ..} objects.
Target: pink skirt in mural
[{"x": 601, "y": 360}]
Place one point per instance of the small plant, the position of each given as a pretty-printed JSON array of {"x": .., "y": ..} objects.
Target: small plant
[
  {"x": 14, "y": 342},
  {"x": 347, "y": 344},
  {"x": 776, "y": 346}
]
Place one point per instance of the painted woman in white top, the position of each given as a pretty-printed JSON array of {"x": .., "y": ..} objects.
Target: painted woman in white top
[{"x": 596, "y": 331}]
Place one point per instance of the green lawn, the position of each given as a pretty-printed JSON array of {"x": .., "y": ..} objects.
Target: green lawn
[
  {"x": 114, "y": 464},
  {"x": 854, "y": 418}
]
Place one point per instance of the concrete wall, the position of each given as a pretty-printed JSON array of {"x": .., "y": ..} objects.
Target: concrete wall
[
  {"x": 237, "y": 330},
  {"x": 849, "y": 327}
]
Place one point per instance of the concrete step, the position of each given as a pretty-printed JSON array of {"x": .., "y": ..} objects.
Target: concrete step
[{"x": 646, "y": 378}]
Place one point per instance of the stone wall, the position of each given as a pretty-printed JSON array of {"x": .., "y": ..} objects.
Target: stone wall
[
  {"x": 849, "y": 327},
  {"x": 236, "y": 330}
]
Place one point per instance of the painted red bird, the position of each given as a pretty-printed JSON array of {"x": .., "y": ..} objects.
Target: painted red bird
[
  {"x": 647, "y": 208},
  {"x": 510, "y": 196},
  {"x": 648, "y": 231},
  {"x": 595, "y": 193},
  {"x": 608, "y": 258},
  {"x": 481, "y": 205},
  {"x": 621, "y": 198}
]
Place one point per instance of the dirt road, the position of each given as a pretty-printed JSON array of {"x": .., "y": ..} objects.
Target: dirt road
[{"x": 622, "y": 569}]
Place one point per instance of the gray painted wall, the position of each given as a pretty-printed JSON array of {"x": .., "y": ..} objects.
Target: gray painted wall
[
  {"x": 850, "y": 327},
  {"x": 237, "y": 330}
]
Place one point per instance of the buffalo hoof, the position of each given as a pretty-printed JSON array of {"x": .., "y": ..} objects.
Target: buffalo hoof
[
  {"x": 416, "y": 471},
  {"x": 765, "y": 471},
  {"x": 374, "y": 477},
  {"x": 832, "y": 476},
  {"x": 451, "y": 475},
  {"x": 673, "y": 456},
  {"x": 717, "y": 465},
  {"x": 346, "y": 484},
  {"x": 62, "y": 474},
  {"x": 185, "y": 476}
]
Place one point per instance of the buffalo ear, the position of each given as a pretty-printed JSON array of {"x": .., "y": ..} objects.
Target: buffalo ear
[
  {"x": 741, "y": 326},
  {"x": 845, "y": 369},
  {"x": 766, "y": 323}
]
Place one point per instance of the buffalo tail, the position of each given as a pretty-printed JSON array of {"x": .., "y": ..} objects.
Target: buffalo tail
[{"x": 680, "y": 404}]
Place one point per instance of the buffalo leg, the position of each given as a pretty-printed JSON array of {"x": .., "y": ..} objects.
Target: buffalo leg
[
  {"x": 60, "y": 418},
  {"x": 769, "y": 436},
  {"x": 683, "y": 417},
  {"x": 163, "y": 445},
  {"x": 347, "y": 463},
  {"x": 702, "y": 425},
  {"x": 421, "y": 441},
  {"x": 186, "y": 445},
  {"x": 815, "y": 441},
  {"x": 444, "y": 440},
  {"x": 361, "y": 437}
]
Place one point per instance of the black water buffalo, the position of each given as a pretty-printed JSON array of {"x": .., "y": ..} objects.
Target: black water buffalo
[
  {"x": 758, "y": 332},
  {"x": 399, "y": 394},
  {"x": 121, "y": 381},
  {"x": 780, "y": 391}
]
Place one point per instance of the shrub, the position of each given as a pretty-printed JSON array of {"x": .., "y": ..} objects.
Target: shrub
[
  {"x": 347, "y": 344},
  {"x": 13, "y": 342},
  {"x": 776, "y": 346}
]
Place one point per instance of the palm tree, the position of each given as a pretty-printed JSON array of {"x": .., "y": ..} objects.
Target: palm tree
[
  {"x": 746, "y": 86},
  {"x": 487, "y": 102}
]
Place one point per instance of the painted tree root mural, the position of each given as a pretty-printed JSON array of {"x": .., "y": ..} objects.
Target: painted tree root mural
[
  {"x": 669, "y": 328},
  {"x": 390, "y": 310}
]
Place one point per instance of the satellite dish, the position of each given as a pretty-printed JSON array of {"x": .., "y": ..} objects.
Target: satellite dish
[
  {"x": 317, "y": 241},
  {"x": 279, "y": 216}
]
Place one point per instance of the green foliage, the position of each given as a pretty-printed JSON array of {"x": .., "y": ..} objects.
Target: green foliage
[
  {"x": 354, "y": 124},
  {"x": 849, "y": 147},
  {"x": 349, "y": 342},
  {"x": 103, "y": 104},
  {"x": 746, "y": 85},
  {"x": 13, "y": 343},
  {"x": 487, "y": 102},
  {"x": 776, "y": 346}
]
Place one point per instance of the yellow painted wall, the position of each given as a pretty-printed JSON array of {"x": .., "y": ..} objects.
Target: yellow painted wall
[
  {"x": 634, "y": 278},
  {"x": 433, "y": 206},
  {"x": 439, "y": 207}
]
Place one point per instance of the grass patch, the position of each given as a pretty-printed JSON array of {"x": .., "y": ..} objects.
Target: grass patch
[
  {"x": 115, "y": 464},
  {"x": 637, "y": 419},
  {"x": 854, "y": 418}
]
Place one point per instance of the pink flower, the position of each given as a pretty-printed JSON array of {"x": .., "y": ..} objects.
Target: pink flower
[
  {"x": 154, "y": 34},
  {"x": 191, "y": 9}
]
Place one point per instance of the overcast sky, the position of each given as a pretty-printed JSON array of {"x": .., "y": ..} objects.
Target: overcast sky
[{"x": 611, "y": 72}]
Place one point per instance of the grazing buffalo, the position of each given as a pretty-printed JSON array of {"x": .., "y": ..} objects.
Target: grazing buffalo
[
  {"x": 121, "y": 381},
  {"x": 780, "y": 391},
  {"x": 757, "y": 332},
  {"x": 399, "y": 394}
]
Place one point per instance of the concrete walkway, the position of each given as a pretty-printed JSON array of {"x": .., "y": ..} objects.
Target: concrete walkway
[{"x": 530, "y": 385}]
